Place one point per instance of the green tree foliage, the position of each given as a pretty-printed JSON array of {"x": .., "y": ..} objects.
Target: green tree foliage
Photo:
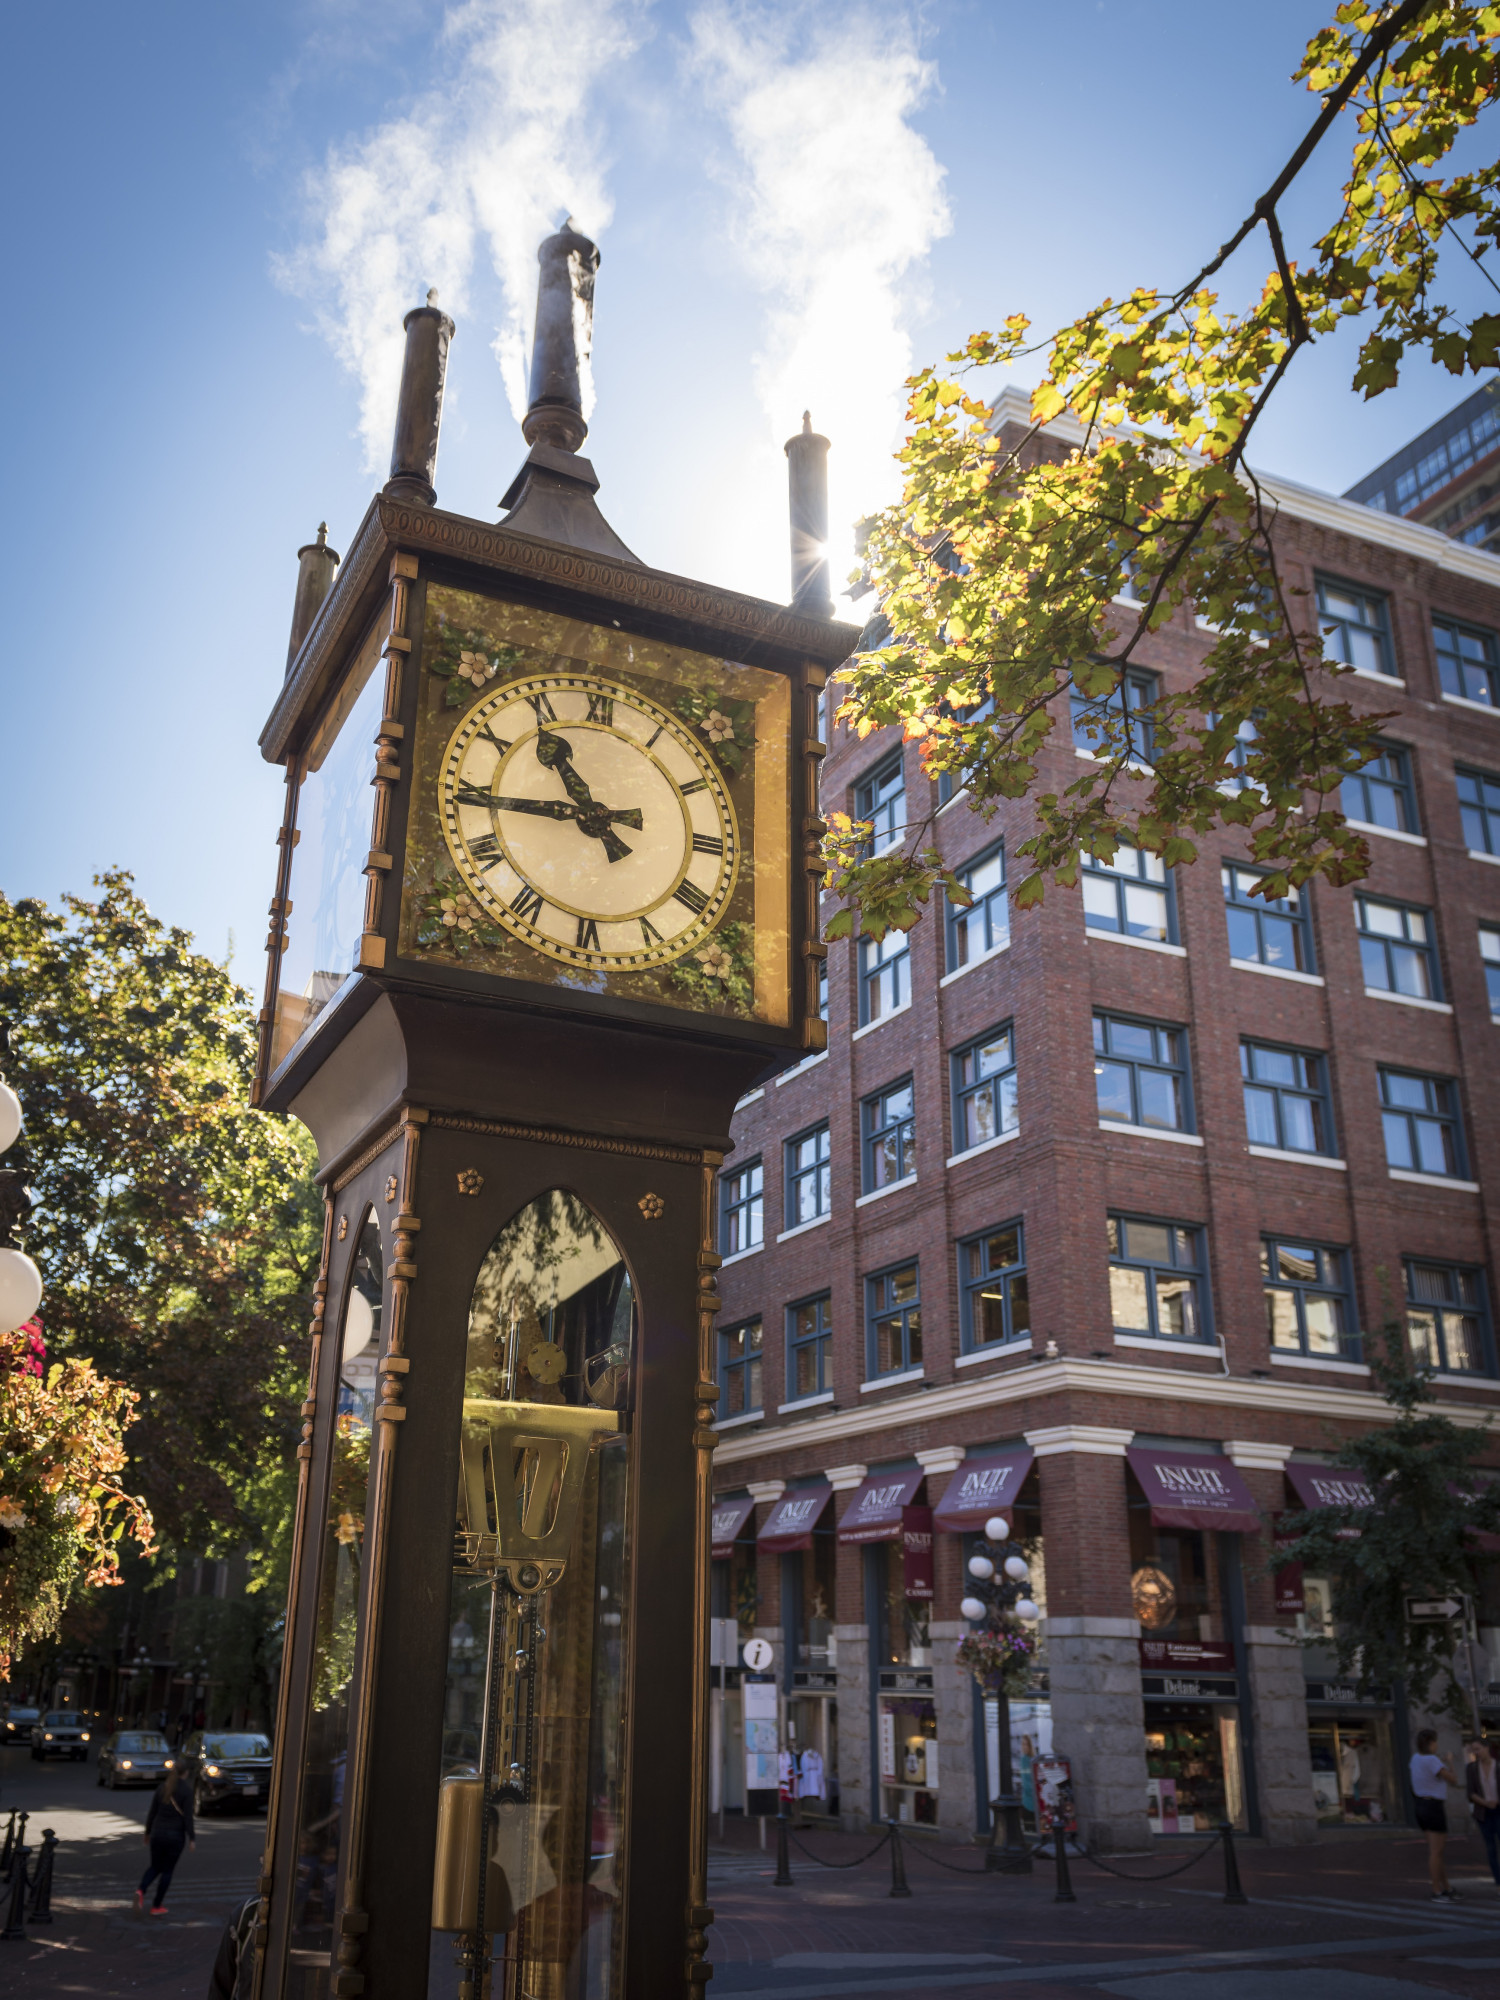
[
  {"x": 178, "y": 1231},
  {"x": 1418, "y": 1539},
  {"x": 999, "y": 570}
]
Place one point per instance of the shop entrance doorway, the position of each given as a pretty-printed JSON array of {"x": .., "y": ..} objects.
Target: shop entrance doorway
[
  {"x": 812, "y": 1736},
  {"x": 1194, "y": 1779},
  {"x": 1353, "y": 1770}
]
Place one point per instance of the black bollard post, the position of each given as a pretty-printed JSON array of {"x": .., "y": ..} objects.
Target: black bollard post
[
  {"x": 15, "y": 1915},
  {"x": 1233, "y": 1893},
  {"x": 898, "y": 1863},
  {"x": 39, "y": 1909},
  {"x": 13, "y": 1845},
  {"x": 9, "y": 1847},
  {"x": 1064, "y": 1879},
  {"x": 1014, "y": 1857},
  {"x": 783, "y": 1876}
]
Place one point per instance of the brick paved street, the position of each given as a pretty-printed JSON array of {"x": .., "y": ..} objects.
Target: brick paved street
[{"x": 1346, "y": 1919}]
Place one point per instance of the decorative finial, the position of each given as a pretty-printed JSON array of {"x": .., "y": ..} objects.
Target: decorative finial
[
  {"x": 807, "y": 423},
  {"x": 432, "y": 295},
  {"x": 322, "y": 534}
]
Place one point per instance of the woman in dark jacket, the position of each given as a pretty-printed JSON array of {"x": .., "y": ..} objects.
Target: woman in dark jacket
[{"x": 169, "y": 1828}]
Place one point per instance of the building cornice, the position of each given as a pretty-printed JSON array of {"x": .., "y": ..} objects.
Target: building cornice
[
  {"x": 1306, "y": 503},
  {"x": 1234, "y": 1394}
]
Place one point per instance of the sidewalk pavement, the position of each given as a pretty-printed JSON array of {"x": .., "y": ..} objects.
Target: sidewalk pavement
[
  {"x": 1345, "y": 1919},
  {"x": 1348, "y": 1918}
]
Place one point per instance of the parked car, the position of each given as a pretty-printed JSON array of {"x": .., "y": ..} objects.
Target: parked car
[
  {"x": 134, "y": 1757},
  {"x": 18, "y": 1721},
  {"x": 60, "y": 1732},
  {"x": 229, "y": 1768}
]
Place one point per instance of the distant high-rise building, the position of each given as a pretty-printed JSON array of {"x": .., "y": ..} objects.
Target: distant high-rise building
[{"x": 1449, "y": 476}]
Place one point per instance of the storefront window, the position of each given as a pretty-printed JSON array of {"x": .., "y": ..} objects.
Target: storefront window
[
  {"x": 816, "y": 1646},
  {"x": 1193, "y": 1777},
  {"x": 909, "y": 1773},
  {"x": 1353, "y": 1770},
  {"x": 1173, "y": 1590}
]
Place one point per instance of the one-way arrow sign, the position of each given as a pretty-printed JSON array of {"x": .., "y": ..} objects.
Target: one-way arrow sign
[{"x": 1429, "y": 1610}]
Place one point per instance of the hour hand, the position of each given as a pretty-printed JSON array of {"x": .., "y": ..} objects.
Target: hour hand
[{"x": 544, "y": 808}]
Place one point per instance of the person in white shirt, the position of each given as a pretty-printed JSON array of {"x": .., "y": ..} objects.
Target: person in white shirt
[{"x": 1431, "y": 1776}]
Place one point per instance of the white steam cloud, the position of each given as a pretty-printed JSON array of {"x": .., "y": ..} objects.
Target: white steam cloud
[
  {"x": 837, "y": 199},
  {"x": 486, "y": 162}
]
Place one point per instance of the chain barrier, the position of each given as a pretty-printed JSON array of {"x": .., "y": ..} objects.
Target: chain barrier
[
  {"x": 1094, "y": 1862},
  {"x": 916, "y": 1847},
  {"x": 839, "y": 1864}
]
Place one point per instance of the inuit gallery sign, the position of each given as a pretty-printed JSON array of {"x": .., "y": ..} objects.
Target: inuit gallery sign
[{"x": 1194, "y": 1490}]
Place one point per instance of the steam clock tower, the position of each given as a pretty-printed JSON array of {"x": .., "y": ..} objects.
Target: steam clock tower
[{"x": 546, "y": 906}]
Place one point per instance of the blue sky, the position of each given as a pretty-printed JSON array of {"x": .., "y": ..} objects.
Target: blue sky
[{"x": 217, "y": 215}]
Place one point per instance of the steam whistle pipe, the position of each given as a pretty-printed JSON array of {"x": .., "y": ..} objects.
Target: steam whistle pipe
[
  {"x": 563, "y": 339},
  {"x": 419, "y": 408},
  {"x": 807, "y": 494},
  {"x": 317, "y": 566}
]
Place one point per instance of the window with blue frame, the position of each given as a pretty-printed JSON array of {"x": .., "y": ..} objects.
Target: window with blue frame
[
  {"x": 1263, "y": 932},
  {"x": 893, "y": 1321},
  {"x": 1479, "y": 809},
  {"x": 1467, "y": 665},
  {"x": 995, "y": 1303},
  {"x": 884, "y": 976},
  {"x": 881, "y": 799},
  {"x": 1356, "y": 627},
  {"x": 740, "y": 1353},
  {"x": 1396, "y": 948},
  {"x": 1489, "y": 956},
  {"x": 1420, "y": 1117},
  {"x": 1103, "y": 725},
  {"x": 1286, "y": 1099},
  {"x": 742, "y": 1221},
  {"x": 1130, "y": 896},
  {"x": 984, "y": 1090},
  {"x": 1447, "y": 1318},
  {"x": 985, "y": 925},
  {"x": 1309, "y": 1304},
  {"x": 890, "y": 1135},
  {"x": 950, "y": 784},
  {"x": 1157, "y": 1284},
  {"x": 1381, "y": 792},
  {"x": 1141, "y": 1073},
  {"x": 1246, "y": 736},
  {"x": 808, "y": 1184},
  {"x": 822, "y": 977},
  {"x": 809, "y": 1337}
]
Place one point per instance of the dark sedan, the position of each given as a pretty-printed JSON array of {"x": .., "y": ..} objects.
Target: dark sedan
[
  {"x": 18, "y": 1721},
  {"x": 229, "y": 1768},
  {"x": 134, "y": 1757},
  {"x": 61, "y": 1732}
]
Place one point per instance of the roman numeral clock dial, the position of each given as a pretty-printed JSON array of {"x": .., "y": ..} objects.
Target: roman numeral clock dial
[{"x": 589, "y": 822}]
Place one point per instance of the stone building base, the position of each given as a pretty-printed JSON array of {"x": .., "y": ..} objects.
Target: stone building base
[
  {"x": 1282, "y": 1777},
  {"x": 1099, "y": 1725}
]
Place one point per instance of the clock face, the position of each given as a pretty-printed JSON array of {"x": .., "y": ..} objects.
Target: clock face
[{"x": 588, "y": 821}]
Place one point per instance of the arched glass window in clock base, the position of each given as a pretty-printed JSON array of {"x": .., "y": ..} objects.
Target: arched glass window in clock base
[
  {"x": 528, "y": 1879},
  {"x": 336, "y": 1632}
]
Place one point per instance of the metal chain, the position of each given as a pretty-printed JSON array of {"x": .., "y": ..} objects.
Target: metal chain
[
  {"x": 916, "y": 1847},
  {"x": 838, "y": 1864},
  {"x": 1094, "y": 1862}
]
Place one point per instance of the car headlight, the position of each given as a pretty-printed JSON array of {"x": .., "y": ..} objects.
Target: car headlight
[
  {"x": 212, "y": 1771},
  {"x": 48, "y": 1737},
  {"x": 124, "y": 1763},
  {"x": 84, "y": 1737}
]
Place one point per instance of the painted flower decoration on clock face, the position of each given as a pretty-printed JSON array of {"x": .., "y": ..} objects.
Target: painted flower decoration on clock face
[{"x": 591, "y": 823}]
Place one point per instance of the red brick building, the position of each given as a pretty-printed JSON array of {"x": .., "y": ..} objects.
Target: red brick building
[{"x": 1100, "y": 1205}]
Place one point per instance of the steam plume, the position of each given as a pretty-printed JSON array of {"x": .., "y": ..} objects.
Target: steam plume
[
  {"x": 837, "y": 199},
  {"x": 486, "y": 162}
]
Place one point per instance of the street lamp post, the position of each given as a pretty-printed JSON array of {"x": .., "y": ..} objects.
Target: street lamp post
[{"x": 998, "y": 1605}]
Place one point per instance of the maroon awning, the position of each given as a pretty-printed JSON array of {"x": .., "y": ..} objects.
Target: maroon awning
[
  {"x": 790, "y": 1523},
  {"x": 730, "y": 1513},
  {"x": 1329, "y": 1485},
  {"x": 982, "y": 1487},
  {"x": 874, "y": 1514},
  {"x": 1193, "y": 1490}
]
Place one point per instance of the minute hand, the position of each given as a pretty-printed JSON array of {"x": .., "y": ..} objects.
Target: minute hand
[
  {"x": 561, "y": 809},
  {"x": 555, "y": 754}
]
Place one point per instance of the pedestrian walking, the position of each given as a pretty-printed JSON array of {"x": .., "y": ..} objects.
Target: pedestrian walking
[
  {"x": 1482, "y": 1781},
  {"x": 1431, "y": 1776},
  {"x": 169, "y": 1828}
]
